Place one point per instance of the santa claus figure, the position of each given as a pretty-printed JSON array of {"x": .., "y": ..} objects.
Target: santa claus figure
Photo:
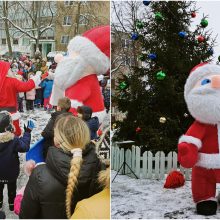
[
  {"x": 199, "y": 148},
  {"x": 9, "y": 87},
  {"x": 76, "y": 74}
]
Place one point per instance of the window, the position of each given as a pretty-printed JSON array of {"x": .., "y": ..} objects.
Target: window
[
  {"x": 15, "y": 41},
  {"x": 68, "y": 3},
  {"x": 25, "y": 41},
  {"x": 65, "y": 39},
  {"x": 67, "y": 20},
  {"x": 126, "y": 43},
  {"x": 3, "y": 41},
  {"x": 128, "y": 61},
  {"x": 83, "y": 20}
]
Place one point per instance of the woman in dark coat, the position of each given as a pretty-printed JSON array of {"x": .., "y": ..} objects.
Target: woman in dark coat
[{"x": 69, "y": 175}]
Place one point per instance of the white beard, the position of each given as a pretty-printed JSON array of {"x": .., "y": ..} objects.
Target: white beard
[
  {"x": 204, "y": 104},
  {"x": 69, "y": 71}
]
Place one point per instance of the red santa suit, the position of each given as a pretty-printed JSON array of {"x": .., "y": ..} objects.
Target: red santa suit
[
  {"x": 199, "y": 148},
  {"x": 9, "y": 87},
  {"x": 76, "y": 75}
]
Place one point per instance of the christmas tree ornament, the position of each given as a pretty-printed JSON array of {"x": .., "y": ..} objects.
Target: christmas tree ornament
[
  {"x": 180, "y": 11},
  {"x": 211, "y": 51},
  {"x": 138, "y": 129},
  {"x": 193, "y": 14},
  {"x": 200, "y": 38},
  {"x": 163, "y": 120},
  {"x": 161, "y": 75},
  {"x": 122, "y": 85},
  {"x": 114, "y": 125},
  {"x": 152, "y": 56},
  {"x": 146, "y": 3},
  {"x": 158, "y": 16},
  {"x": 134, "y": 36},
  {"x": 182, "y": 34},
  {"x": 139, "y": 24},
  {"x": 186, "y": 115},
  {"x": 204, "y": 23}
]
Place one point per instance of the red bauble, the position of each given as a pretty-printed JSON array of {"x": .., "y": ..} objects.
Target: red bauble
[
  {"x": 200, "y": 38},
  {"x": 138, "y": 129},
  {"x": 193, "y": 14}
]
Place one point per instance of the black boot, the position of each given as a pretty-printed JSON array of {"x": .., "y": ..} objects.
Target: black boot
[{"x": 208, "y": 207}]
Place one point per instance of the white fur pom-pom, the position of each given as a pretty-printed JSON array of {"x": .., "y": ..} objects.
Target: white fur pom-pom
[{"x": 58, "y": 58}]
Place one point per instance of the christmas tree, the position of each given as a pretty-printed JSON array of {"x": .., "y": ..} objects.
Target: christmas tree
[{"x": 151, "y": 96}]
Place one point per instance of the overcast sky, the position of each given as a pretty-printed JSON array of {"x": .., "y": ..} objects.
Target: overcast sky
[{"x": 212, "y": 9}]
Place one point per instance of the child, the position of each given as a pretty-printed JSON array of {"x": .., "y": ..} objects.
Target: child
[
  {"x": 63, "y": 106},
  {"x": 47, "y": 85},
  {"x": 69, "y": 175},
  {"x": 28, "y": 168},
  {"x": 85, "y": 112},
  {"x": 30, "y": 96},
  {"x": 10, "y": 145},
  {"x": 20, "y": 95}
]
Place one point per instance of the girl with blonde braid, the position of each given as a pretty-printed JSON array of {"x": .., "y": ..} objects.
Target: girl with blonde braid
[{"x": 69, "y": 175}]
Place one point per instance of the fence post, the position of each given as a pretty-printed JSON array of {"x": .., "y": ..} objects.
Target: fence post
[
  {"x": 174, "y": 160},
  {"x": 133, "y": 153},
  {"x": 169, "y": 162},
  {"x": 149, "y": 165},
  {"x": 162, "y": 165},
  {"x": 121, "y": 160},
  {"x": 128, "y": 161},
  {"x": 138, "y": 162},
  {"x": 157, "y": 165},
  {"x": 145, "y": 165},
  {"x": 117, "y": 158}
]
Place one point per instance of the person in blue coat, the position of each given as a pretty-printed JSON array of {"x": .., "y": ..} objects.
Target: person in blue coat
[
  {"x": 85, "y": 112},
  {"x": 10, "y": 146},
  {"x": 47, "y": 85}
]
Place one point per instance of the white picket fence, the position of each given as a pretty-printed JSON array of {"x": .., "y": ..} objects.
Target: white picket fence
[{"x": 153, "y": 166}]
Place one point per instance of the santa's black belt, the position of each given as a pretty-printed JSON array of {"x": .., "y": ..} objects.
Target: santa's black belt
[{"x": 9, "y": 109}]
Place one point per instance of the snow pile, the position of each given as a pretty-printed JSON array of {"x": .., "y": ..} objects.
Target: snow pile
[{"x": 147, "y": 199}]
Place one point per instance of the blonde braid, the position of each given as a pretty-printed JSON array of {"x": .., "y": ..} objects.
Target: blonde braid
[{"x": 72, "y": 182}]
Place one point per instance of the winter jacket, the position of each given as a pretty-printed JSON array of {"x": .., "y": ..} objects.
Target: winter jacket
[
  {"x": 9, "y": 160},
  {"x": 90, "y": 208},
  {"x": 48, "y": 132},
  {"x": 93, "y": 124},
  {"x": 45, "y": 193},
  {"x": 47, "y": 86},
  {"x": 30, "y": 95}
]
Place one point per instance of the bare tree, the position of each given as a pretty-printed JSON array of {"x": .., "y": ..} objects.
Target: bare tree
[{"x": 30, "y": 18}]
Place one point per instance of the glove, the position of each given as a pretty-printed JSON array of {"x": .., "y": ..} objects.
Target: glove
[
  {"x": 187, "y": 154},
  {"x": 29, "y": 127},
  {"x": 36, "y": 79}
]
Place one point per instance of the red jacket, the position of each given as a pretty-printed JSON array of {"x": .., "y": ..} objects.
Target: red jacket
[
  {"x": 201, "y": 139},
  {"x": 87, "y": 92}
]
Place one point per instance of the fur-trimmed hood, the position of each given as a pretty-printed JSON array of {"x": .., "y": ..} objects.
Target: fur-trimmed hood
[{"x": 6, "y": 136}]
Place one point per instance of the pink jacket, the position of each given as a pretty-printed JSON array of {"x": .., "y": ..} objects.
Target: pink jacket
[{"x": 30, "y": 95}]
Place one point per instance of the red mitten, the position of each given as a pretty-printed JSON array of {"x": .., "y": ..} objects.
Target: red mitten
[{"x": 187, "y": 154}]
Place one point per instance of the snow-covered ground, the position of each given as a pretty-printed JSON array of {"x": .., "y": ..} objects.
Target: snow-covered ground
[
  {"x": 40, "y": 118},
  {"x": 147, "y": 199}
]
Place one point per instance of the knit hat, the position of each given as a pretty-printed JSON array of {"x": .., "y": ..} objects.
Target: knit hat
[
  {"x": 174, "y": 180},
  {"x": 197, "y": 73},
  {"x": 94, "y": 47}
]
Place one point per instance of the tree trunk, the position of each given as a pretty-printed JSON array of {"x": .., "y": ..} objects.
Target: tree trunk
[
  {"x": 76, "y": 31},
  {"x": 5, "y": 14}
]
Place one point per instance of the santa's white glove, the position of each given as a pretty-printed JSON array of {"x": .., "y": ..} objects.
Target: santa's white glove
[
  {"x": 51, "y": 75},
  {"x": 37, "y": 78}
]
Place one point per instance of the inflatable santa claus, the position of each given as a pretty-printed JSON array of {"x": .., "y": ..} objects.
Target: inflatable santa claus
[
  {"x": 76, "y": 74},
  {"x": 199, "y": 148},
  {"x": 9, "y": 87}
]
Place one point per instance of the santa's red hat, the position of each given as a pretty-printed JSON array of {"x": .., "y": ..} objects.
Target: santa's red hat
[
  {"x": 197, "y": 73},
  {"x": 94, "y": 47}
]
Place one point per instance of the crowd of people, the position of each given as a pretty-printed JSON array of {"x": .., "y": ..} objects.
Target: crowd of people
[{"x": 72, "y": 170}]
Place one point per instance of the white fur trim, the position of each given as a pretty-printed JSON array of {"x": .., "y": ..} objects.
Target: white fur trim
[
  {"x": 199, "y": 73},
  {"x": 101, "y": 115},
  {"x": 36, "y": 80},
  {"x": 92, "y": 54},
  {"x": 56, "y": 94},
  {"x": 209, "y": 161},
  {"x": 191, "y": 140},
  {"x": 75, "y": 103},
  {"x": 15, "y": 116}
]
